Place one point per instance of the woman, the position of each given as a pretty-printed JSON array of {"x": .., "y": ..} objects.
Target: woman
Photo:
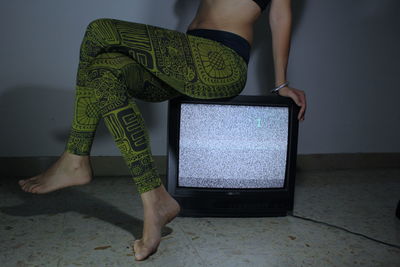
[{"x": 121, "y": 60}]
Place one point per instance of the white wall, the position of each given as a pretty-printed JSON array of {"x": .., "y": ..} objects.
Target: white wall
[{"x": 344, "y": 55}]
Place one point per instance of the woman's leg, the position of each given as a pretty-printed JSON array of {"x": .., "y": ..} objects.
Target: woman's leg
[
  {"x": 116, "y": 79},
  {"x": 106, "y": 90},
  {"x": 194, "y": 66},
  {"x": 113, "y": 79},
  {"x": 73, "y": 167}
]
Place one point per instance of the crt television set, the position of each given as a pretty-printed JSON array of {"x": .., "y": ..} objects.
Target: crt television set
[{"x": 232, "y": 157}]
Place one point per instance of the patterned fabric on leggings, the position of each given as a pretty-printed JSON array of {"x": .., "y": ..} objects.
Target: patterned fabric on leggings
[{"x": 120, "y": 61}]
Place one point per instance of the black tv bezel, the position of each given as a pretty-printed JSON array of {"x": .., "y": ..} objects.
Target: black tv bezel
[{"x": 191, "y": 198}]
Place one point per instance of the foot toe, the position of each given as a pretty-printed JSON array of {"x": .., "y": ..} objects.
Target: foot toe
[
  {"x": 136, "y": 245},
  {"x": 35, "y": 189},
  {"x": 142, "y": 256},
  {"x": 25, "y": 187},
  {"x": 137, "y": 250},
  {"x": 141, "y": 252},
  {"x": 23, "y": 182},
  {"x": 29, "y": 186}
]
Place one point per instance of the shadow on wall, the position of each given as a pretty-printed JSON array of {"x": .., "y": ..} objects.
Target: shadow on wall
[
  {"x": 262, "y": 47},
  {"x": 34, "y": 114},
  {"x": 185, "y": 11}
]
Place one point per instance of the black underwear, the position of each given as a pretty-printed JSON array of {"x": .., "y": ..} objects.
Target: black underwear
[{"x": 237, "y": 43}]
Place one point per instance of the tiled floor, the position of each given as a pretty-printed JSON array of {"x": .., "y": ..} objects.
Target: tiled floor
[{"x": 95, "y": 225}]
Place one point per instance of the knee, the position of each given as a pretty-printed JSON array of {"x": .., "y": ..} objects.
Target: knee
[
  {"x": 95, "y": 24},
  {"x": 108, "y": 86}
]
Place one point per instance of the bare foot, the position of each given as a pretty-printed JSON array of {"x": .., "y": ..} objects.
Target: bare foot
[
  {"x": 68, "y": 170},
  {"x": 159, "y": 209}
]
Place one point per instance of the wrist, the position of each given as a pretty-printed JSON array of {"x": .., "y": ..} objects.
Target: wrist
[
  {"x": 279, "y": 86},
  {"x": 279, "y": 82}
]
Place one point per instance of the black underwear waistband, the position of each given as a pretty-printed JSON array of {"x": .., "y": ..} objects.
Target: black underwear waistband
[{"x": 237, "y": 43}]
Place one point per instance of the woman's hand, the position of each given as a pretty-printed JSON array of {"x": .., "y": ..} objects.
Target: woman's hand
[{"x": 298, "y": 96}]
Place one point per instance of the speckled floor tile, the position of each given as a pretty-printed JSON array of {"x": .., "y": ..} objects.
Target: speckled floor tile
[
  {"x": 362, "y": 201},
  {"x": 285, "y": 241},
  {"x": 31, "y": 241},
  {"x": 94, "y": 228},
  {"x": 95, "y": 225}
]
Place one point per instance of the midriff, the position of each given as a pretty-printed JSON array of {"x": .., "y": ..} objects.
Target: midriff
[{"x": 236, "y": 16}]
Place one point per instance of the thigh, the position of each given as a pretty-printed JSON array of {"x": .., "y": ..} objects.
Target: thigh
[
  {"x": 192, "y": 65},
  {"x": 137, "y": 80}
]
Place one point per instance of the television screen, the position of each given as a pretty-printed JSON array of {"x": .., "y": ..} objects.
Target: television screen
[{"x": 232, "y": 146}]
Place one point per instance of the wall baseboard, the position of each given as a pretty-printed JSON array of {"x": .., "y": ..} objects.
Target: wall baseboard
[
  {"x": 115, "y": 166},
  {"x": 345, "y": 161}
]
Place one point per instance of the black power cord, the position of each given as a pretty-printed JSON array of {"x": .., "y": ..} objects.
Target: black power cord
[{"x": 344, "y": 229}]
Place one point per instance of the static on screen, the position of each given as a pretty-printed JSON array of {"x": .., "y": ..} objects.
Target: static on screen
[{"x": 232, "y": 146}]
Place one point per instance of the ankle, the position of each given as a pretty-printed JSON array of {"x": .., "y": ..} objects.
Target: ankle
[
  {"x": 74, "y": 157},
  {"x": 75, "y": 161},
  {"x": 154, "y": 196}
]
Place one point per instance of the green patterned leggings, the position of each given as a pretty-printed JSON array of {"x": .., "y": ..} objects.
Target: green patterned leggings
[{"x": 120, "y": 61}]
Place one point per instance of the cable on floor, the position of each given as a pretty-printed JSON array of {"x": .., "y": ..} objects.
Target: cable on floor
[{"x": 344, "y": 229}]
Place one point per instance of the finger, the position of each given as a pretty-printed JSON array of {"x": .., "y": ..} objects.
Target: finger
[
  {"x": 298, "y": 97},
  {"x": 293, "y": 95},
  {"x": 302, "y": 100},
  {"x": 304, "y": 105},
  {"x": 303, "y": 97},
  {"x": 301, "y": 113}
]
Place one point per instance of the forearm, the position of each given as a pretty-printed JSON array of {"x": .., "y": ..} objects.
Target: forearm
[{"x": 280, "y": 22}]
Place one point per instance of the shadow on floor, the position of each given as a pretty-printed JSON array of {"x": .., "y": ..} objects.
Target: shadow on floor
[{"x": 70, "y": 199}]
